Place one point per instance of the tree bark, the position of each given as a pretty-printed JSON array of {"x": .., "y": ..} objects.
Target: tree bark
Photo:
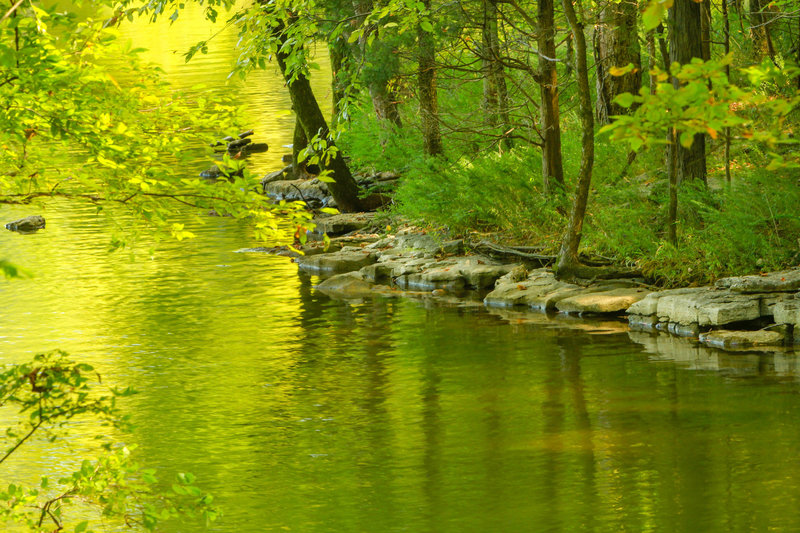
[
  {"x": 344, "y": 188},
  {"x": 726, "y": 28},
  {"x": 378, "y": 76},
  {"x": 495, "y": 92},
  {"x": 705, "y": 29},
  {"x": 299, "y": 143},
  {"x": 616, "y": 44},
  {"x": 337, "y": 52},
  {"x": 760, "y": 29},
  {"x": 552, "y": 166},
  {"x": 568, "y": 264},
  {"x": 426, "y": 86},
  {"x": 686, "y": 43},
  {"x": 651, "y": 61}
]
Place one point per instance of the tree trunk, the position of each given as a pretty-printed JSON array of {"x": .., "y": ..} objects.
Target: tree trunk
[
  {"x": 705, "y": 29},
  {"x": 651, "y": 61},
  {"x": 552, "y": 167},
  {"x": 760, "y": 29},
  {"x": 685, "y": 43},
  {"x": 495, "y": 93},
  {"x": 426, "y": 86},
  {"x": 299, "y": 143},
  {"x": 337, "y": 52},
  {"x": 672, "y": 209},
  {"x": 344, "y": 188},
  {"x": 616, "y": 44},
  {"x": 568, "y": 264},
  {"x": 384, "y": 100},
  {"x": 727, "y": 44}
]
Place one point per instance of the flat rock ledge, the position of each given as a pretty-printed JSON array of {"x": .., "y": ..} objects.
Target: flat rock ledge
[
  {"x": 427, "y": 264},
  {"x": 748, "y": 313},
  {"x": 737, "y": 312}
]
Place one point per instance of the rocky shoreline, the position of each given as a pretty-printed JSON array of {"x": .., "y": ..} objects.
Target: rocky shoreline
[{"x": 738, "y": 313}]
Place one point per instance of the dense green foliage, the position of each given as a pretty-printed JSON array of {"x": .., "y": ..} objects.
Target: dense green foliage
[{"x": 48, "y": 394}]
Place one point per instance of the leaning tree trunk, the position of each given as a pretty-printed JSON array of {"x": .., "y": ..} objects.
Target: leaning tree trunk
[
  {"x": 495, "y": 92},
  {"x": 685, "y": 43},
  {"x": 344, "y": 188},
  {"x": 568, "y": 264},
  {"x": 426, "y": 85},
  {"x": 616, "y": 44},
  {"x": 552, "y": 167}
]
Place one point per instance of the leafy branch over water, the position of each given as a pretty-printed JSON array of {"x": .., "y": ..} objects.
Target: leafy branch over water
[{"x": 46, "y": 395}]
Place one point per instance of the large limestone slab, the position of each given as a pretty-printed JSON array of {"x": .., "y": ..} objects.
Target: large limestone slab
[
  {"x": 343, "y": 223},
  {"x": 348, "y": 285},
  {"x": 787, "y": 312},
  {"x": 706, "y": 307},
  {"x": 539, "y": 290},
  {"x": 442, "y": 276},
  {"x": 726, "y": 339},
  {"x": 346, "y": 260},
  {"x": 613, "y": 301},
  {"x": 649, "y": 304},
  {"x": 782, "y": 281}
]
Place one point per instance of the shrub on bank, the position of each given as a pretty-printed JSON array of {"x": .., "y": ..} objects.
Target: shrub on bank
[{"x": 748, "y": 226}]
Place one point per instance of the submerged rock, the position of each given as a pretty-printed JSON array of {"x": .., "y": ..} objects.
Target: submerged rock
[
  {"x": 349, "y": 285},
  {"x": 215, "y": 172},
  {"x": 741, "y": 339},
  {"x": 27, "y": 225}
]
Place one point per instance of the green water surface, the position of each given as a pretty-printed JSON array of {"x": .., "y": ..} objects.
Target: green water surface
[{"x": 300, "y": 413}]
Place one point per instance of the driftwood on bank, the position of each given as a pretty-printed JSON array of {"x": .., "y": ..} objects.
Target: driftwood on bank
[{"x": 497, "y": 251}]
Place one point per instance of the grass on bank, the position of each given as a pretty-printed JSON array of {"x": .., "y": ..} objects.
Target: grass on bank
[{"x": 753, "y": 225}]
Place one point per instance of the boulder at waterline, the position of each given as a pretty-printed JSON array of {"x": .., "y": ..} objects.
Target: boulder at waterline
[{"x": 27, "y": 225}]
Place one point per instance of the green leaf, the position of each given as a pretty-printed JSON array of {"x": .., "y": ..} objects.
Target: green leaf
[
  {"x": 687, "y": 138},
  {"x": 625, "y": 100},
  {"x": 426, "y": 26},
  {"x": 654, "y": 13},
  {"x": 82, "y": 526}
]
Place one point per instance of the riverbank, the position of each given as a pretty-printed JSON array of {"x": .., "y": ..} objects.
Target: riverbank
[{"x": 747, "y": 312}]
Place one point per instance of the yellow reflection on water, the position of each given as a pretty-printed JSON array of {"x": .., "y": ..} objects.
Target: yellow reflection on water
[{"x": 265, "y": 101}]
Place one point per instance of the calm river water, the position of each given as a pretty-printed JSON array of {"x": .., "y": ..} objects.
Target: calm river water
[{"x": 305, "y": 414}]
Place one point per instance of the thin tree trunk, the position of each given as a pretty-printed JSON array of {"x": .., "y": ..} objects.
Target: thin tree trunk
[
  {"x": 616, "y": 44},
  {"x": 337, "y": 51},
  {"x": 384, "y": 100},
  {"x": 344, "y": 188},
  {"x": 552, "y": 166},
  {"x": 299, "y": 143},
  {"x": 426, "y": 85},
  {"x": 760, "y": 29},
  {"x": 727, "y": 43},
  {"x": 705, "y": 29},
  {"x": 685, "y": 44},
  {"x": 651, "y": 61},
  {"x": 672, "y": 171},
  {"x": 662, "y": 48},
  {"x": 568, "y": 263},
  {"x": 495, "y": 93}
]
